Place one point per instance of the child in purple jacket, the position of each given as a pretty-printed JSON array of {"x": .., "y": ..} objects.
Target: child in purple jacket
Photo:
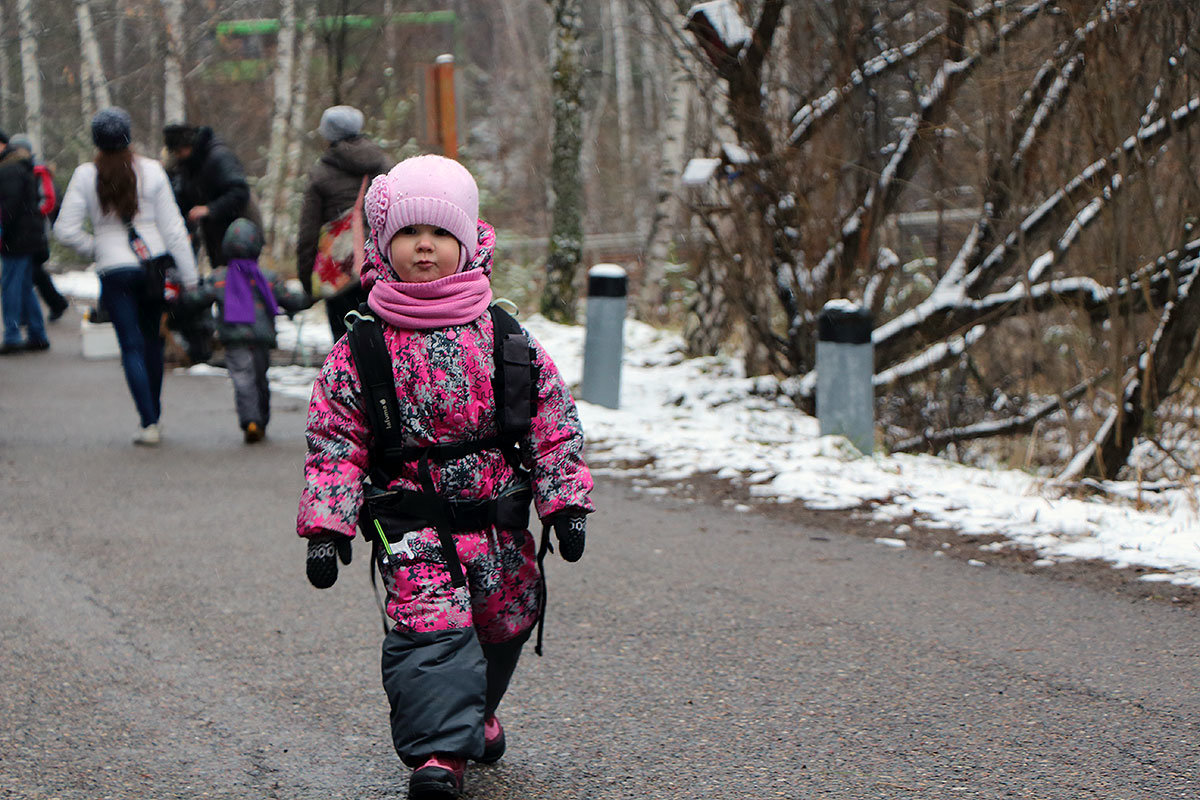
[
  {"x": 449, "y": 510},
  {"x": 247, "y": 301}
]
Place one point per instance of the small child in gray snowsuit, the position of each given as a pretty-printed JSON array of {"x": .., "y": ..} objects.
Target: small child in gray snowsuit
[{"x": 247, "y": 301}]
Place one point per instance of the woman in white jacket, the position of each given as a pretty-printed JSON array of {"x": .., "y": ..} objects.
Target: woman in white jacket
[{"x": 117, "y": 186}]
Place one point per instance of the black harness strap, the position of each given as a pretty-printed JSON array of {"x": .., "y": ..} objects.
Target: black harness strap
[
  {"x": 374, "y": 364},
  {"x": 514, "y": 387},
  {"x": 513, "y": 375},
  {"x": 543, "y": 548},
  {"x": 445, "y": 536}
]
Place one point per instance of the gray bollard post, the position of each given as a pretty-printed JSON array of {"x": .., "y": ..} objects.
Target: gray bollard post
[
  {"x": 845, "y": 366},
  {"x": 604, "y": 339}
]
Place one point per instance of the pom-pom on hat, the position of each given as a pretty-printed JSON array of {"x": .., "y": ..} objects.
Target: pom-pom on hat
[
  {"x": 242, "y": 239},
  {"x": 425, "y": 190},
  {"x": 340, "y": 122},
  {"x": 112, "y": 129}
]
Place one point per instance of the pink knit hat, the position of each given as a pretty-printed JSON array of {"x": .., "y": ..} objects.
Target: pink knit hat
[{"x": 424, "y": 190}]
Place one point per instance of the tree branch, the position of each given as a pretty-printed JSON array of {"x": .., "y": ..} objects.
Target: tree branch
[
  {"x": 946, "y": 302},
  {"x": 910, "y": 149},
  {"x": 930, "y": 441},
  {"x": 809, "y": 117},
  {"x": 1157, "y": 370}
]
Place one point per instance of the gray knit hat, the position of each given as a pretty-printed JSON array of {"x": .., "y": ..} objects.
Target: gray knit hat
[
  {"x": 21, "y": 141},
  {"x": 112, "y": 129},
  {"x": 340, "y": 122}
]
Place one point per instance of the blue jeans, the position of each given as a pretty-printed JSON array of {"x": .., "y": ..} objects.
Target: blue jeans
[
  {"x": 136, "y": 321},
  {"x": 18, "y": 301}
]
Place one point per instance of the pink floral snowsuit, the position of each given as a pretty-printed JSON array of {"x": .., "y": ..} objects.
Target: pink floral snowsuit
[
  {"x": 443, "y": 382},
  {"x": 448, "y": 660}
]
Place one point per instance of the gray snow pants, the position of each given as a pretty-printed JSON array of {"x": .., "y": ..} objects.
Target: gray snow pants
[
  {"x": 247, "y": 367},
  {"x": 441, "y": 685}
]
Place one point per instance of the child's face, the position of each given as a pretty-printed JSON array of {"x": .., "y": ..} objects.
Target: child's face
[{"x": 422, "y": 253}]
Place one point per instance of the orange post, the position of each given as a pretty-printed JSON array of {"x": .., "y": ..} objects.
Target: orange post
[
  {"x": 447, "y": 128},
  {"x": 432, "y": 133}
]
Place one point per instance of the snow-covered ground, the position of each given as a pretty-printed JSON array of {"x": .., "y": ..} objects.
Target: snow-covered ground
[{"x": 680, "y": 417}]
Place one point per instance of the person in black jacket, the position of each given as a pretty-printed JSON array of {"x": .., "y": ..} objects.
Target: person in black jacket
[
  {"x": 48, "y": 197},
  {"x": 210, "y": 184},
  {"x": 334, "y": 183},
  {"x": 210, "y": 187},
  {"x": 22, "y": 237}
]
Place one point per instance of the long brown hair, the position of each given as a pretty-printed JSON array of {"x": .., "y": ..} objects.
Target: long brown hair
[{"x": 116, "y": 182}]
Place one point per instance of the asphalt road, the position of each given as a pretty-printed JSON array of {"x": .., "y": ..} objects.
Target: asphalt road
[{"x": 158, "y": 639}]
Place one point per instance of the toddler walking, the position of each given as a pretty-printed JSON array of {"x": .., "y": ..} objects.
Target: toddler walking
[
  {"x": 247, "y": 302},
  {"x": 434, "y": 424}
]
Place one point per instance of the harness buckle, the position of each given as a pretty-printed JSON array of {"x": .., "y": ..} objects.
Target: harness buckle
[{"x": 354, "y": 316}]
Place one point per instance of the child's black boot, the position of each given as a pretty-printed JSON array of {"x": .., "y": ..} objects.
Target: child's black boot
[
  {"x": 439, "y": 778},
  {"x": 493, "y": 740}
]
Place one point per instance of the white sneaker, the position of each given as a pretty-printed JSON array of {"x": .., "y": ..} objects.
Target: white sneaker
[{"x": 148, "y": 436}]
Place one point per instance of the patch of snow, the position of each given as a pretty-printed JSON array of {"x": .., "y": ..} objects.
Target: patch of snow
[
  {"x": 699, "y": 171},
  {"x": 726, "y": 21}
]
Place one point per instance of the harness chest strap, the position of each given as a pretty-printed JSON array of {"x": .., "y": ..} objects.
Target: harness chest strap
[{"x": 513, "y": 382}]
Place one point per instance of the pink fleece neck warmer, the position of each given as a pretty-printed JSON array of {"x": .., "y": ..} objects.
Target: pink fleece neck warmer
[{"x": 453, "y": 300}]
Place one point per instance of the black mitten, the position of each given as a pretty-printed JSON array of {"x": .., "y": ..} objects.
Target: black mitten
[
  {"x": 570, "y": 527},
  {"x": 324, "y": 549}
]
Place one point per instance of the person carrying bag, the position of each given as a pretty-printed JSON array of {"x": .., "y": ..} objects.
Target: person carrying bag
[
  {"x": 136, "y": 232},
  {"x": 157, "y": 268},
  {"x": 326, "y": 238}
]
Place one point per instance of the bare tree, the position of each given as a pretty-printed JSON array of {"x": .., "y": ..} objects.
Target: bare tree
[
  {"x": 673, "y": 151},
  {"x": 891, "y": 104},
  {"x": 6, "y": 88},
  {"x": 623, "y": 69},
  {"x": 289, "y": 201},
  {"x": 31, "y": 75},
  {"x": 566, "y": 181},
  {"x": 94, "y": 86},
  {"x": 285, "y": 51},
  {"x": 174, "y": 101}
]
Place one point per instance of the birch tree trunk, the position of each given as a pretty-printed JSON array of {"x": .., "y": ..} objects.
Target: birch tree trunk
[
  {"x": 289, "y": 200},
  {"x": 87, "y": 97},
  {"x": 6, "y": 89},
  {"x": 153, "y": 99},
  {"x": 120, "y": 39},
  {"x": 566, "y": 179},
  {"x": 623, "y": 68},
  {"x": 594, "y": 118},
  {"x": 666, "y": 200},
  {"x": 174, "y": 102},
  {"x": 31, "y": 76},
  {"x": 95, "y": 86},
  {"x": 284, "y": 58},
  {"x": 389, "y": 44}
]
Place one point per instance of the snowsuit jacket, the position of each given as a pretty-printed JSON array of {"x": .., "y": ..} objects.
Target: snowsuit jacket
[
  {"x": 22, "y": 229},
  {"x": 213, "y": 176},
  {"x": 261, "y": 332},
  {"x": 333, "y": 184},
  {"x": 443, "y": 384}
]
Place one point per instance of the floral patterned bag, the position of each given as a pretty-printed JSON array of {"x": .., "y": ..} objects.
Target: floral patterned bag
[{"x": 340, "y": 250}]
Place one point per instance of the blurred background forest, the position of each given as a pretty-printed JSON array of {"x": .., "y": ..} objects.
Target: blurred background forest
[{"x": 1010, "y": 188}]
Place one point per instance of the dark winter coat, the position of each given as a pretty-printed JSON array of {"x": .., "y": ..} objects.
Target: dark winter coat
[
  {"x": 213, "y": 176},
  {"x": 261, "y": 332},
  {"x": 22, "y": 227},
  {"x": 333, "y": 184}
]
